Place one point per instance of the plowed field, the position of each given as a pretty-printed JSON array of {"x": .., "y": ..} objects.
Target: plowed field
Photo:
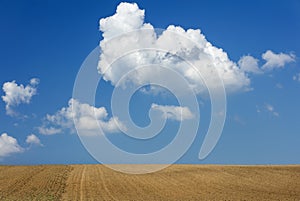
[{"x": 177, "y": 182}]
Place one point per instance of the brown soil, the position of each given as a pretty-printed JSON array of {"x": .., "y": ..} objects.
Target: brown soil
[{"x": 177, "y": 182}]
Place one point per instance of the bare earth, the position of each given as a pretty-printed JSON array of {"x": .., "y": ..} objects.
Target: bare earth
[{"x": 178, "y": 182}]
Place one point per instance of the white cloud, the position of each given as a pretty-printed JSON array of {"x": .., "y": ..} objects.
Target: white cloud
[
  {"x": 271, "y": 109},
  {"x": 274, "y": 60},
  {"x": 49, "y": 130},
  {"x": 86, "y": 117},
  {"x": 249, "y": 64},
  {"x": 9, "y": 145},
  {"x": 34, "y": 81},
  {"x": 177, "y": 113},
  {"x": 33, "y": 139},
  {"x": 190, "y": 44},
  {"x": 16, "y": 94},
  {"x": 296, "y": 77}
]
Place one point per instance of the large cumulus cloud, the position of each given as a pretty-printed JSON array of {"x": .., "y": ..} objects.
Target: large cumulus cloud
[
  {"x": 127, "y": 40},
  {"x": 188, "y": 44}
]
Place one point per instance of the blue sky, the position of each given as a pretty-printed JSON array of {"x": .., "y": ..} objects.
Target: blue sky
[{"x": 49, "y": 40}]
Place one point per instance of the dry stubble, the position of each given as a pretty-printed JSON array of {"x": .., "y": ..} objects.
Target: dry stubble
[{"x": 178, "y": 182}]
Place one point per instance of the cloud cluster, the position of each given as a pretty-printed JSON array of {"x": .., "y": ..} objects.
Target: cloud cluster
[
  {"x": 120, "y": 37},
  {"x": 273, "y": 60},
  {"x": 9, "y": 145},
  {"x": 177, "y": 113},
  {"x": 128, "y": 42},
  {"x": 87, "y": 118},
  {"x": 268, "y": 108},
  {"x": 16, "y": 94}
]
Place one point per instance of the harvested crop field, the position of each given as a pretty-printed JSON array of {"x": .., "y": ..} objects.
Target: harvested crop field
[{"x": 177, "y": 182}]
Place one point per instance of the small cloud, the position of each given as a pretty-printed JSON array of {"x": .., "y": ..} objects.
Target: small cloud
[
  {"x": 34, "y": 81},
  {"x": 33, "y": 139},
  {"x": 49, "y": 131},
  {"x": 271, "y": 110},
  {"x": 258, "y": 110},
  {"x": 279, "y": 86},
  {"x": 238, "y": 120},
  {"x": 296, "y": 77},
  {"x": 17, "y": 94},
  {"x": 249, "y": 64},
  {"x": 177, "y": 113},
  {"x": 274, "y": 60},
  {"x": 9, "y": 145},
  {"x": 154, "y": 90}
]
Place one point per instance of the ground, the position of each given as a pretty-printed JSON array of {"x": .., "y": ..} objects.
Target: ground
[{"x": 177, "y": 182}]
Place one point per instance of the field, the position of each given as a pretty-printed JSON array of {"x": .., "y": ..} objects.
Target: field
[{"x": 177, "y": 182}]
